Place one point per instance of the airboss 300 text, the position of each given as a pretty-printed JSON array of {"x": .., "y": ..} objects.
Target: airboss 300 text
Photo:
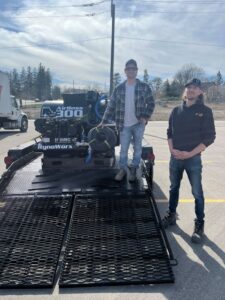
[{"x": 63, "y": 112}]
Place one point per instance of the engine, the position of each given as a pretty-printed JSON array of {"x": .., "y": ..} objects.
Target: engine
[{"x": 68, "y": 131}]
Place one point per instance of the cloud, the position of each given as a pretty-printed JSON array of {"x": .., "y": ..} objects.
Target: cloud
[{"x": 161, "y": 36}]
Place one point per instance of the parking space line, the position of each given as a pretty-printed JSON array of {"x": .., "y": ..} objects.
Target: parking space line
[
  {"x": 167, "y": 161},
  {"x": 192, "y": 200},
  {"x": 206, "y": 200}
]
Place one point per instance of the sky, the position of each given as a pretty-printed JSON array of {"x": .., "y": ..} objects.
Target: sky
[{"x": 73, "y": 37}]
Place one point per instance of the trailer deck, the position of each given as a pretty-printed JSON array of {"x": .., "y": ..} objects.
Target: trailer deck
[{"x": 80, "y": 229}]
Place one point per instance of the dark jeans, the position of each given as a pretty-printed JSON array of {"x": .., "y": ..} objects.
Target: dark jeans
[{"x": 193, "y": 168}]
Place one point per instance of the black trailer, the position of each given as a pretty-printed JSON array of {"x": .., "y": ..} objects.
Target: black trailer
[{"x": 64, "y": 220}]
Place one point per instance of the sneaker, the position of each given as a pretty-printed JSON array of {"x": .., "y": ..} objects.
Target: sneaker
[
  {"x": 120, "y": 175},
  {"x": 169, "y": 219},
  {"x": 198, "y": 232},
  {"x": 132, "y": 176}
]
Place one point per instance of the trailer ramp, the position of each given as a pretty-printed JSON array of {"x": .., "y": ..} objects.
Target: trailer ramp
[
  {"x": 31, "y": 234},
  {"x": 114, "y": 240},
  {"x": 82, "y": 239}
]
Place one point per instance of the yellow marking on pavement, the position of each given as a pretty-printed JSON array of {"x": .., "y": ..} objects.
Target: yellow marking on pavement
[
  {"x": 192, "y": 200},
  {"x": 167, "y": 161},
  {"x": 206, "y": 200}
]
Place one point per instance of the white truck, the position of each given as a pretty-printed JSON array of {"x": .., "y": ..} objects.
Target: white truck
[{"x": 11, "y": 114}]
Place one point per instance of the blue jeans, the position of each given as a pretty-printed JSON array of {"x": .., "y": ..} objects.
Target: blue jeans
[
  {"x": 128, "y": 134},
  {"x": 193, "y": 168}
]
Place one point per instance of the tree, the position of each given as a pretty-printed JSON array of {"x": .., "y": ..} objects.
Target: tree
[
  {"x": 23, "y": 83},
  {"x": 29, "y": 84},
  {"x": 175, "y": 89},
  {"x": 219, "y": 78},
  {"x": 146, "y": 76},
  {"x": 15, "y": 83},
  {"x": 43, "y": 83},
  {"x": 166, "y": 88},
  {"x": 56, "y": 92},
  {"x": 34, "y": 83},
  {"x": 188, "y": 72},
  {"x": 156, "y": 84},
  {"x": 40, "y": 84},
  {"x": 48, "y": 84}
]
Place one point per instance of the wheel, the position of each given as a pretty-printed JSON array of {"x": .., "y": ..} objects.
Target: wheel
[{"x": 24, "y": 125}]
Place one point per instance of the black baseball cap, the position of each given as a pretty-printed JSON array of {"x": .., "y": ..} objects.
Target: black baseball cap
[
  {"x": 195, "y": 81},
  {"x": 131, "y": 62}
]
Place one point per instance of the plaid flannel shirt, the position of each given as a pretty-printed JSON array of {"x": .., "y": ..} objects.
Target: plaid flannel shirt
[{"x": 144, "y": 103}]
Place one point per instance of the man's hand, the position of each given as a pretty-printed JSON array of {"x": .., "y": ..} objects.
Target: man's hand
[
  {"x": 181, "y": 154},
  {"x": 175, "y": 153},
  {"x": 100, "y": 124},
  {"x": 143, "y": 121},
  {"x": 185, "y": 155}
]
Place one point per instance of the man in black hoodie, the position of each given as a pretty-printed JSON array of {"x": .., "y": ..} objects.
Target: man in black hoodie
[{"x": 191, "y": 129}]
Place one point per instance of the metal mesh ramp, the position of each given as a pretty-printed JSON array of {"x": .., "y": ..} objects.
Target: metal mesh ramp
[
  {"x": 114, "y": 240},
  {"x": 31, "y": 235}
]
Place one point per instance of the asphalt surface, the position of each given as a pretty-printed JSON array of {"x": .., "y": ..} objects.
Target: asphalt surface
[
  {"x": 14, "y": 138},
  {"x": 200, "y": 273}
]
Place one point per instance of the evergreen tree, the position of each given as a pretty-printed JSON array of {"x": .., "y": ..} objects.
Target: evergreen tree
[
  {"x": 29, "y": 84},
  {"x": 166, "y": 88},
  {"x": 43, "y": 83},
  {"x": 175, "y": 89},
  {"x": 40, "y": 83},
  {"x": 15, "y": 83},
  {"x": 23, "y": 79},
  {"x": 48, "y": 84},
  {"x": 56, "y": 92},
  {"x": 219, "y": 78},
  {"x": 34, "y": 83}
]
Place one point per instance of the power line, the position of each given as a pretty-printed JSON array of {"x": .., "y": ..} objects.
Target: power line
[
  {"x": 176, "y": 12},
  {"x": 171, "y": 42},
  {"x": 120, "y": 10},
  {"x": 57, "y": 44},
  {"x": 59, "y": 16},
  {"x": 172, "y": 11},
  {"x": 117, "y": 37},
  {"x": 58, "y": 6},
  {"x": 176, "y": 2}
]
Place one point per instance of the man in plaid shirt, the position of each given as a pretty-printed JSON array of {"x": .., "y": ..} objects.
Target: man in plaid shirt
[{"x": 131, "y": 106}]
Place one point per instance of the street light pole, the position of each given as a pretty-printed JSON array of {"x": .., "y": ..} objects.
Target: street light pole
[{"x": 112, "y": 47}]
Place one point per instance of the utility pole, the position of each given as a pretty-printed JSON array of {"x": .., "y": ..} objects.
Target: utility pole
[{"x": 112, "y": 47}]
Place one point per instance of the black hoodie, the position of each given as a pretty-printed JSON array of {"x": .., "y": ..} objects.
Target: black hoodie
[{"x": 191, "y": 126}]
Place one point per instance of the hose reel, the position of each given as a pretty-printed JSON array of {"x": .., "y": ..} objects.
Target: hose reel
[{"x": 102, "y": 139}]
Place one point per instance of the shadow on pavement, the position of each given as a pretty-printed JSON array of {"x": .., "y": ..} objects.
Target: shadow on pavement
[{"x": 5, "y": 134}]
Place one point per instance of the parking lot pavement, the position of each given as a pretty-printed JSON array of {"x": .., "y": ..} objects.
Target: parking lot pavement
[{"x": 200, "y": 273}]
